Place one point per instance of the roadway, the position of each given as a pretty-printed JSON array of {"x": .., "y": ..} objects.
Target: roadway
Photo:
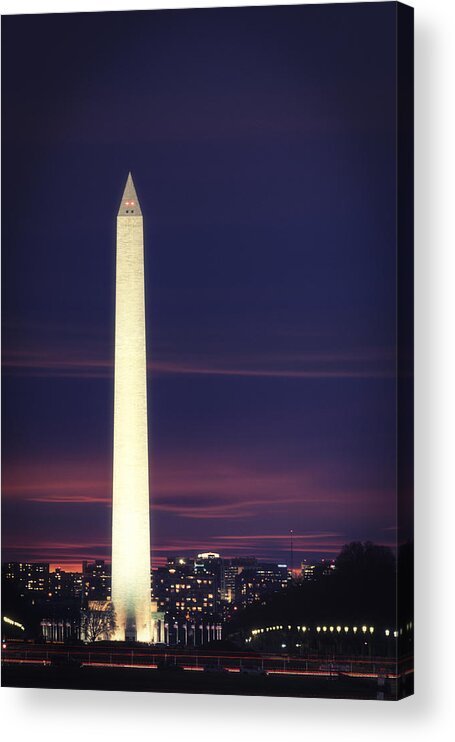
[{"x": 198, "y": 660}]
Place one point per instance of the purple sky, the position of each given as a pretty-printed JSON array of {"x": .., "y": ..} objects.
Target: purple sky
[{"x": 262, "y": 144}]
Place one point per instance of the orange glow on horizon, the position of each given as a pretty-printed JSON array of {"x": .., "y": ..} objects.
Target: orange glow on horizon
[{"x": 66, "y": 566}]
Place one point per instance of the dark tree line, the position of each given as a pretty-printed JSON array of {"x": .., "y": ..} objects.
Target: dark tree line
[{"x": 361, "y": 589}]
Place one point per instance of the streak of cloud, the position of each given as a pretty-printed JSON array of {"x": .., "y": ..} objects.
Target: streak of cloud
[{"x": 362, "y": 363}]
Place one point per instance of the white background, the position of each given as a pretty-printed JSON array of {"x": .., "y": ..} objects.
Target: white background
[{"x": 75, "y": 715}]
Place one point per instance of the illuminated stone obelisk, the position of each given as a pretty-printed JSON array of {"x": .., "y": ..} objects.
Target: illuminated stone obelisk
[{"x": 131, "y": 582}]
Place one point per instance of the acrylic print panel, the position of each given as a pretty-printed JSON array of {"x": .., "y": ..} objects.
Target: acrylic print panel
[{"x": 207, "y": 351}]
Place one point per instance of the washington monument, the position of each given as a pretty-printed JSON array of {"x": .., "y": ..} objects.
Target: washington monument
[{"x": 131, "y": 582}]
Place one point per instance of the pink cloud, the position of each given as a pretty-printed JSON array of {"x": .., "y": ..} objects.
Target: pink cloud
[
  {"x": 196, "y": 487},
  {"x": 359, "y": 363}
]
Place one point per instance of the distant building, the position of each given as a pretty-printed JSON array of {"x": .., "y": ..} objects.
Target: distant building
[
  {"x": 254, "y": 584},
  {"x": 230, "y": 575},
  {"x": 28, "y": 578},
  {"x": 96, "y": 580},
  {"x": 309, "y": 571},
  {"x": 181, "y": 592},
  {"x": 211, "y": 565},
  {"x": 185, "y": 600},
  {"x": 63, "y": 585},
  {"x": 315, "y": 570},
  {"x": 232, "y": 568}
]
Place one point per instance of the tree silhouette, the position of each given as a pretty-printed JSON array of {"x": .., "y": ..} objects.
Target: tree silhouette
[
  {"x": 357, "y": 560},
  {"x": 98, "y": 621}
]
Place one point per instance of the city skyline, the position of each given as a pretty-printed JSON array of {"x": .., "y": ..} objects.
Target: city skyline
[
  {"x": 271, "y": 340},
  {"x": 71, "y": 567}
]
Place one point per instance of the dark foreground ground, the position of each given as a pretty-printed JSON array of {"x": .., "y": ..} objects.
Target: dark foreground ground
[{"x": 167, "y": 681}]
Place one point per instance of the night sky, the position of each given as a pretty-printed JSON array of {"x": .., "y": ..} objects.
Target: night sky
[{"x": 262, "y": 145}]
